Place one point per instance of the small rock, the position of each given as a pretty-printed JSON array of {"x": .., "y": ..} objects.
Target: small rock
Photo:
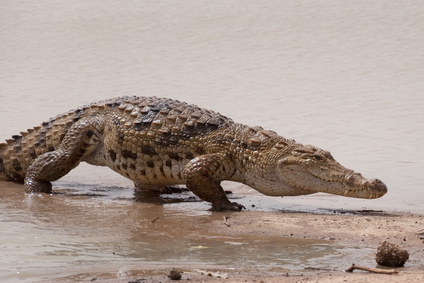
[
  {"x": 174, "y": 275},
  {"x": 392, "y": 255}
]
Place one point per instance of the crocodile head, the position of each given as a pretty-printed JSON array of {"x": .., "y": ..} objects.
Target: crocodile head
[
  {"x": 295, "y": 169},
  {"x": 308, "y": 169}
]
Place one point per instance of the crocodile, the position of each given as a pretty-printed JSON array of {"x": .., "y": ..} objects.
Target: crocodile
[{"x": 159, "y": 142}]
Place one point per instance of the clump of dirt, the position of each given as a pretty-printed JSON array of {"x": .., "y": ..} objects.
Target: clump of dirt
[
  {"x": 392, "y": 255},
  {"x": 174, "y": 275}
]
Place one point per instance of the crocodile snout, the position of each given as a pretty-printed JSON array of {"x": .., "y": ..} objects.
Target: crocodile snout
[
  {"x": 377, "y": 188},
  {"x": 359, "y": 187}
]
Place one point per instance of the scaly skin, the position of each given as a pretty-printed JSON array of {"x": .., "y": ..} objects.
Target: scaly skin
[{"x": 157, "y": 142}]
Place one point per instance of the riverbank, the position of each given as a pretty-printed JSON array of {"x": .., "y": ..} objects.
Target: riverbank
[{"x": 359, "y": 232}]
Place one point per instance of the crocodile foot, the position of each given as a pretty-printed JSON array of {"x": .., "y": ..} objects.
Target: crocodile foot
[
  {"x": 34, "y": 186},
  {"x": 228, "y": 206}
]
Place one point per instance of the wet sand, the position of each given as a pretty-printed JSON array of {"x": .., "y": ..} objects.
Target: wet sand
[{"x": 362, "y": 231}]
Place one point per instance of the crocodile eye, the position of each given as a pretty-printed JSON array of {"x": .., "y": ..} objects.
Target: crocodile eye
[{"x": 317, "y": 157}]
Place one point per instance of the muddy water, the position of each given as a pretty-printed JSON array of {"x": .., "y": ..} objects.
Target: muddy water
[{"x": 345, "y": 76}]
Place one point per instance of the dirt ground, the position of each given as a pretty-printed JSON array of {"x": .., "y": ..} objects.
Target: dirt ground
[{"x": 354, "y": 228}]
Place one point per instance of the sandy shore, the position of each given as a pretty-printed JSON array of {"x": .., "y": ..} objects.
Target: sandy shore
[{"x": 360, "y": 229}]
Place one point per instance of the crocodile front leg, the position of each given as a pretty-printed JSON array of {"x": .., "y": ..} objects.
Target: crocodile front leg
[
  {"x": 203, "y": 176},
  {"x": 50, "y": 166}
]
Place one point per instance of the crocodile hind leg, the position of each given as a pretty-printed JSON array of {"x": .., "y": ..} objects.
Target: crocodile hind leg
[
  {"x": 203, "y": 176},
  {"x": 53, "y": 165}
]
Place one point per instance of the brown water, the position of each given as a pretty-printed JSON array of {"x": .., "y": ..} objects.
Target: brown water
[{"x": 343, "y": 75}]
